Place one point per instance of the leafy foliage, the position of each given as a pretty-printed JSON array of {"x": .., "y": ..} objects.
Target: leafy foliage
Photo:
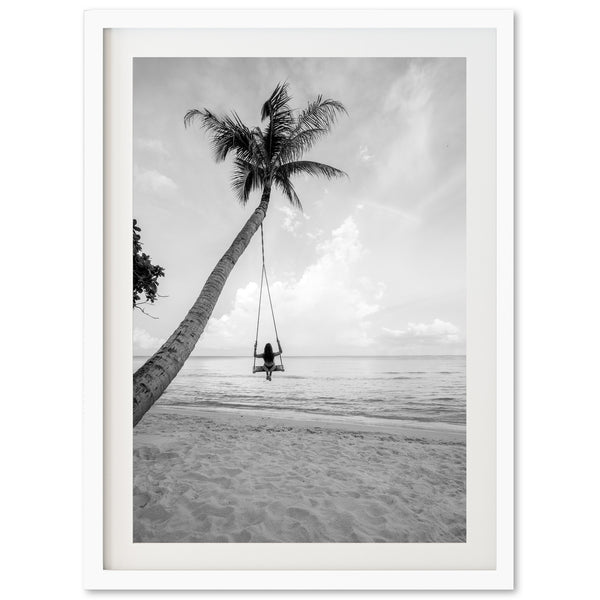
[
  {"x": 270, "y": 155},
  {"x": 145, "y": 274}
]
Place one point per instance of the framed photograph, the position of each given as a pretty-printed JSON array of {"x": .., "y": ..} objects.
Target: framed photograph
[{"x": 299, "y": 299}]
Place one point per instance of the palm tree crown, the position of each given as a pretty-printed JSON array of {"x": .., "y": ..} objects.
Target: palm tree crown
[{"x": 270, "y": 156}]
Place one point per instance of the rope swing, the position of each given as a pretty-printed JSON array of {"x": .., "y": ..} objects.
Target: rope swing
[{"x": 264, "y": 280}]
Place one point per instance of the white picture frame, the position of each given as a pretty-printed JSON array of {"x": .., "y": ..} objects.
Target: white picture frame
[{"x": 105, "y": 436}]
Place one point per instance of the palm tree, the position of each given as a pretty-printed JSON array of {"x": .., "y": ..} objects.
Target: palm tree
[{"x": 262, "y": 158}]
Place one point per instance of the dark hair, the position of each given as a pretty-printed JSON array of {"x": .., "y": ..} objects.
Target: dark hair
[{"x": 268, "y": 353}]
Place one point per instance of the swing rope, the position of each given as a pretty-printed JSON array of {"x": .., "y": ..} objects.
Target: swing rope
[{"x": 265, "y": 279}]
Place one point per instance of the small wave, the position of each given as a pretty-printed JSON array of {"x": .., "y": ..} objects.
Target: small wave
[{"x": 402, "y": 415}]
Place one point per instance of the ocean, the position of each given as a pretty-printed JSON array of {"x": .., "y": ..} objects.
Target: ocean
[{"x": 407, "y": 390}]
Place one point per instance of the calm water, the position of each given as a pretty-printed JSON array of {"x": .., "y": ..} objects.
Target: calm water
[{"x": 418, "y": 389}]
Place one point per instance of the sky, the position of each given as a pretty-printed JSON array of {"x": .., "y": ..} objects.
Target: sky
[{"x": 376, "y": 263}]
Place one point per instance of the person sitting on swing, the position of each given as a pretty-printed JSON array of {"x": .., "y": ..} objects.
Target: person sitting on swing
[{"x": 269, "y": 357}]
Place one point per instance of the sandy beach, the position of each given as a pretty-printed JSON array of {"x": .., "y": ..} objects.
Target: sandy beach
[{"x": 245, "y": 476}]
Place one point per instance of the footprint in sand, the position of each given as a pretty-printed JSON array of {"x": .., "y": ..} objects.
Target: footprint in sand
[
  {"x": 156, "y": 513},
  {"x": 297, "y": 513},
  {"x": 372, "y": 520},
  {"x": 343, "y": 522},
  {"x": 232, "y": 472},
  {"x": 242, "y": 536},
  {"x": 146, "y": 453},
  {"x": 195, "y": 476},
  {"x": 140, "y": 500},
  {"x": 376, "y": 510},
  {"x": 389, "y": 500},
  {"x": 253, "y": 516},
  {"x": 298, "y": 533},
  {"x": 167, "y": 455},
  {"x": 216, "y": 511}
]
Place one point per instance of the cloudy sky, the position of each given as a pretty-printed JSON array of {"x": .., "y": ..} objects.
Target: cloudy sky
[{"x": 374, "y": 266}]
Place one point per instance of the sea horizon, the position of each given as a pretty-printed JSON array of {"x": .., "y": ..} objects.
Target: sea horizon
[{"x": 411, "y": 389}]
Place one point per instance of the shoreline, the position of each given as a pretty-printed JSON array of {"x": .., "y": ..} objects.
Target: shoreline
[{"x": 289, "y": 418}]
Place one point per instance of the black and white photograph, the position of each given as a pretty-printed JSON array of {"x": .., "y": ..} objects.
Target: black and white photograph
[{"x": 299, "y": 300}]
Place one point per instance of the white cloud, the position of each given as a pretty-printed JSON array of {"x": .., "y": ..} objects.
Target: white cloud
[
  {"x": 408, "y": 217},
  {"x": 144, "y": 343},
  {"x": 292, "y": 218},
  {"x": 412, "y": 91},
  {"x": 313, "y": 235},
  {"x": 436, "y": 332},
  {"x": 380, "y": 290},
  {"x": 326, "y": 310},
  {"x": 152, "y": 181},
  {"x": 152, "y": 145},
  {"x": 364, "y": 154}
]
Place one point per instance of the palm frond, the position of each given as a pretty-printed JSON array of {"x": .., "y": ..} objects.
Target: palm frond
[
  {"x": 281, "y": 120},
  {"x": 258, "y": 146},
  {"x": 311, "y": 124},
  {"x": 191, "y": 115},
  {"x": 320, "y": 114},
  {"x": 228, "y": 133},
  {"x": 246, "y": 177},
  {"x": 301, "y": 142},
  {"x": 277, "y": 102},
  {"x": 286, "y": 187},
  {"x": 309, "y": 167}
]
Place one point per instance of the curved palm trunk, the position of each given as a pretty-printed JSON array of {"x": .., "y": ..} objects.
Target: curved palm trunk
[{"x": 151, "y": 379}]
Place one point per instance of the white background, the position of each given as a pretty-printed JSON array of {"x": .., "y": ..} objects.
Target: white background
[{"x": 558, "y": 329}]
